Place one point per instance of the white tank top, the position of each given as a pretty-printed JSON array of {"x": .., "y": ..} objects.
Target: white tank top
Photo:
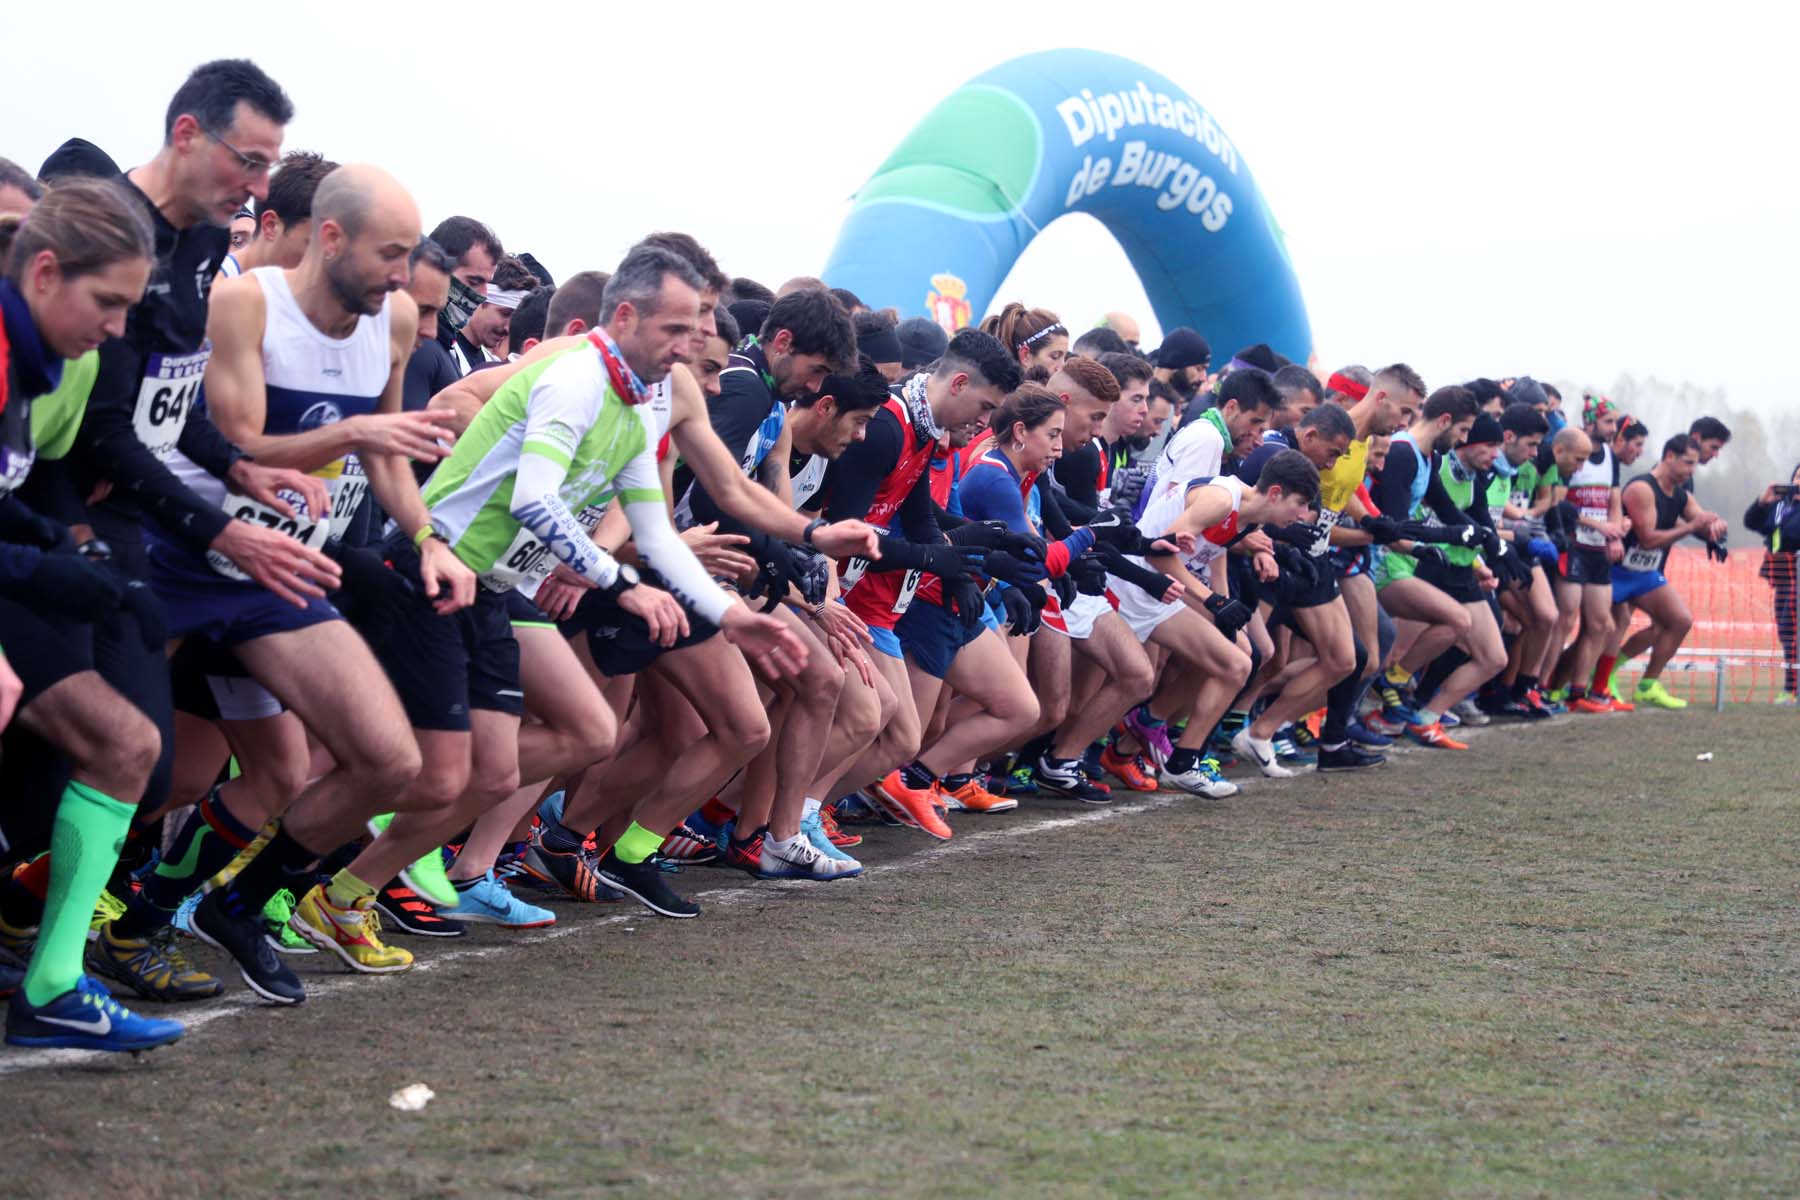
[
  {"x": 310, "y": 380},
  {"x": 1166, "y": 507}
]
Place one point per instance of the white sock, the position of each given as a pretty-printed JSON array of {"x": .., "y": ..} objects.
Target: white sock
[
  {"x": 780, "y": 844},
  {"x": 809, "y": 808},
  {"x": 1427, "y": 717}
]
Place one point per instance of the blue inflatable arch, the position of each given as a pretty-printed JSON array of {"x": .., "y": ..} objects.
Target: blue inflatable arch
[{"x": 941, "y": 222}]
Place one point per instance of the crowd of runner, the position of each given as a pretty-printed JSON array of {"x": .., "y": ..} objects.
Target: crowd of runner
[{"x": 359, "y": 584}]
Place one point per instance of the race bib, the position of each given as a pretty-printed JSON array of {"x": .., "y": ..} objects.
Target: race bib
[
  {"x": 1640, "y": 559},
  {"x": 346, "y": 484},
  {"x": 1328, "y": 519},
  {"x": 1587, "y": 535},
  {"x": 302, "y": 527},
  {"x": 909, "y": 587},
  {"x": 526, "y": 563},
  {"x": 853, "y": 570},
  {"x": 165, "y": 397}
]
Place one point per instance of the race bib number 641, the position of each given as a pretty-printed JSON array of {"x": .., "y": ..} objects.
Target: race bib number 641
[{"x": 165, "y": 397}]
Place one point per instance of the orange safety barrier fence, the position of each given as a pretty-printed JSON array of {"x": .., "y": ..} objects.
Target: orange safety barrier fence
[{"x": 1736, "y": 651}]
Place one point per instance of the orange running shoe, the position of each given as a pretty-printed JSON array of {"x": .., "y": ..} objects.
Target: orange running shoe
[
  {"x": 973, "y": 797},
  {"x": 1619, "y": 705},
  {"x": 840, "y": 837},
  {"x": 912, "y": 806},
  {"x": 1127, "y": 771},
  {"x": 1433, "y": 735},
  {"x": 1591, "y": 704}
]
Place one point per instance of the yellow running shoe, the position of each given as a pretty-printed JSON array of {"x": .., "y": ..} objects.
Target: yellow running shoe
[
  {"x": 107, "y": 908},
  {"x": 1652, "y": 691},
  {"x": 353, "y": 934}
]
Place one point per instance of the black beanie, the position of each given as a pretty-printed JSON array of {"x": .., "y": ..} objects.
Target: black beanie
[
  {"x": 80, "y": 158},
  {"x": 1486, "y": 429},
  {"x": 1183, "y": 347}
]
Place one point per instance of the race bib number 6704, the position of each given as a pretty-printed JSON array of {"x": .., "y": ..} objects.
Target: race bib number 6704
[{"x": 303, "y": 527}]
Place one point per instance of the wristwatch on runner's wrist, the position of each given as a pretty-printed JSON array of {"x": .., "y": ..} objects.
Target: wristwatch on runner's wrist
[{"x": 624, "y": 581}]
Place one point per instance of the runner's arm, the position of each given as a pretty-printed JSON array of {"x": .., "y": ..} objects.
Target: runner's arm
[
  {"x": 110, "y": 447},
  {"x": 639, "y": 493},
  {"x": 390, "y": 476},
  {"x": 1078, "y": 473},
  {"x": 1640, "y": 506}
]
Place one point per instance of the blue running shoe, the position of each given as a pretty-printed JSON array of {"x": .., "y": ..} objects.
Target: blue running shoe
[
  {"x": 1449, "y": 720},
  {"x": 1362, "y": 735},
  {"x": 85, "y": 1017},
  {"x": 489, "y": 902},
  {"x": 550, "y": 808},
  {"x": 701, "y": 824},
  {"x": 814, "y": 829}
]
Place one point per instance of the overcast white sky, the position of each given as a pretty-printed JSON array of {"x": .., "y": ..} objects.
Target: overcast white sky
[{"x": 1568, "y": 190}]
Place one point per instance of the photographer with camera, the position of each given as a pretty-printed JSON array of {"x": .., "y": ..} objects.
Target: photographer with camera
[{"x": 1776, "y": 515}]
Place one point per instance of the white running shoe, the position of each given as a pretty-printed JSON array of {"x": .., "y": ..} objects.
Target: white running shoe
[
  {"x": 802, "y": 860},
  {"x": 1260, "y": 751}
]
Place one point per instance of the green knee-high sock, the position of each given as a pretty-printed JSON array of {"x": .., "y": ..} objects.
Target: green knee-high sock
[{"x": 84, "y": 844}]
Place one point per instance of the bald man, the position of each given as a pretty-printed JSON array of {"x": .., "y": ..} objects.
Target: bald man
[
  {"x": 1123, "y": 324},
  {"x": 307, "y": 372}
]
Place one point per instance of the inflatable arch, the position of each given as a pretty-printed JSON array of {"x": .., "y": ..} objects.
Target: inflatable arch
[{"x": 941, "y": 222}]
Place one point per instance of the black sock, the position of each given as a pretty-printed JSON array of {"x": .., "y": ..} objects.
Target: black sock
[
  {"x": 283, "y": 863},
  {"x": 1183, "y": 760},
  {"x": 916, "y": 774},
  {"x": 1340, "y": 701},
  {"x": 463, "y": 885},
  {"x": 209, "y": 839},
  {"x": 1524, "y": 683}
]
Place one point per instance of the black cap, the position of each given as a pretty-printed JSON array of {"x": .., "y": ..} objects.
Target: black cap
[
  {"x": 1486, "y": 429},
  {"x": 1183, "y": 347},
  {"x": 536, "y": 268},
  {"x": 881, "y": 345},
  {"x": 78, "y": 157},
  {"x": 922, "y": 342}
]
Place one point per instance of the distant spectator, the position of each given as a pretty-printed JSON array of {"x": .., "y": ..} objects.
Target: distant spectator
[{"x": 1776, "y": 515}]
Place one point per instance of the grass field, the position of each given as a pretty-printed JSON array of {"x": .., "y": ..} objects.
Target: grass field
[{"x": 1561, "y": 964}]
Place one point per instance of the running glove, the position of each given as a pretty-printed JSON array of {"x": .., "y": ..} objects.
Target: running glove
[
  {"x": 74, "y": 587},
  {"x": 1021, "y": 618},
  {"x": 1089, "y": 576},
  {"x": 1229, "y": 614}
]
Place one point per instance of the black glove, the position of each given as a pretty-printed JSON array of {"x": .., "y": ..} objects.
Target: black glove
[
  {"x": 1430, "y": 554},
  {"x": 1490, "y": 541},
  {"x": 774, "y": 571},
  {"x": 1009, "y": 568},
  {"x": 1229, "y": 614},
  {"x": 1299, "y": 576},
  {"x": 1021, "y": 618},
  {"x": 947, "y": 562},
  {"x": 1717, "y": 552},
  {"x": 1559, "y": 537},
  {"x": 988, "y": 535},
  {"x": 1089, "y": 576},
  {"x": 1064, "y": 587},
  {"x": 20, "y": 524},
  {"x": 963, "y": 598},
  {"x": 1381, "y": 530},
  {"x": 69, "y": 585},
  {"x": 1297, "y": 535},
  {"x": 1154, "y": 584},
  {"x": 1114, "y": 531}
]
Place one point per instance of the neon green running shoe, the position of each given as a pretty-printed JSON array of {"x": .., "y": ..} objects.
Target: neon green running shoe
[
  {"x": 1616, "y": 686},
  {"x": 275, "y": 925},
  {"x": 426, "y": 876},
  {"x": 1559, "y": 696},
  {"x": 107, "y": 908},
  {"x": 1652, "y": 691}
]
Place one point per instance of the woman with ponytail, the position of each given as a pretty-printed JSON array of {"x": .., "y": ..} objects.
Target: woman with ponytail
[{"x": 1036, "y": 336}]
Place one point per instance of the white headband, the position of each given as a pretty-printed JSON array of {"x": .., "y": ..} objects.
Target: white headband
[{"x": 501, "y": 298}]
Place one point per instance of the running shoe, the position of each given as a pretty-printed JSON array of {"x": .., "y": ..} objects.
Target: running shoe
[
  {"x": 1471, "y": 714},
  {"x": 1390, "y": 727},
  {"x": 1448, "y": 720},
  {"x": 1262, "y": 753},
  {"x": 85, "y": 1017},
  {"x": 1653, "y": 693},
  {"x": 858, "y": 809},
  {"x": 1621, "y": 705},
  {"x": 1433, "y": 735},
  {"x": 914, "y": 807},
  {"x": 1786, "y": 700},
  {"x": 1557, "y": 696},
  {"x": 1093, "y": 775},
  {"x": 1020, "y": 781},
  {"x": 225, "y": 874},
  {"x": 281, "y": 935},
  {"x": 489, "y": 902},
  {"x": 745, "y": 855},
  {"x": 243, "y": 938},
  {"x": 577, "y": 873},
  {"x": 1360, "y": 733},
  {"x": 405, "y": 911},
  {"x": 1065, "y": 778},
  {"x": 803, "y": 860},
  {"x": 1289, "y": 750},
  {"x": 975, "y": 798},
  {"x": 353, "y": 934},
  {"x": 646, "y": 884},
  {"x": 154, "y": 967},
  {"x": 107, "y": 908},
  {"x": 18, "y": 942},
  {"x": 1516, "y": 709},
  {"x": 425, "y": 876},
  {"x": 843, "y": 839},
  {"x": 1394, "y": 699},
  {"x": 1615, "y": 687},
  {"x": 1204, "y": 780},
  {"x": 813, "y": 826},
  {"x": 1154, "y": 737},
  {"x": 703, "y": 826},
  {"x": 1129, "y": 771},
  {"x": 689, "y": 845},
  {"x": 1590, "y": 705},
  {"x": 1349, "y": 757},
  {"x": 1541, "y": 699}
]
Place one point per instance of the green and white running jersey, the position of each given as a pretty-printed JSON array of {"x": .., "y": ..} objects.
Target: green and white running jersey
[{"x": 562, "y": 409}]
